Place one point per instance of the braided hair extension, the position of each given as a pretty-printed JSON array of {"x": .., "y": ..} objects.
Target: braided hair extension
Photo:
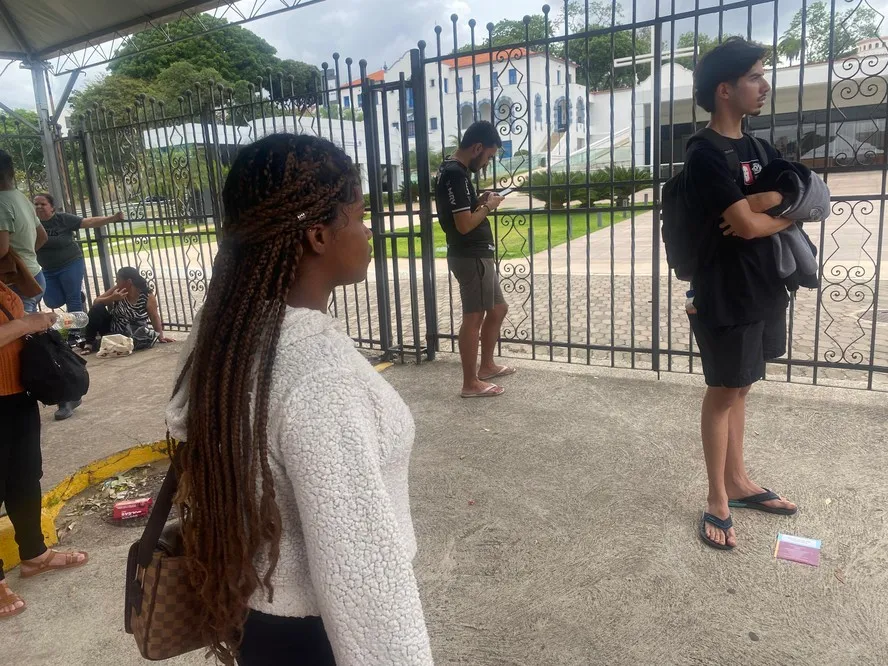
[{"x": 276, "y": 190}]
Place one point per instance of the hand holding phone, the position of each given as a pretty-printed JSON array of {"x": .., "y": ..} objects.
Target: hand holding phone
[{"x": 506, "y": 192}]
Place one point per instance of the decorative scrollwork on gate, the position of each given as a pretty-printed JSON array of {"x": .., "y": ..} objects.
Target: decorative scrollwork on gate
[
  {"x": 848, "y": 288},
  {"x": 515, "y": 275}
]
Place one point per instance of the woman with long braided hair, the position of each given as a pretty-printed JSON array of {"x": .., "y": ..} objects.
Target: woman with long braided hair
[{"x": 293, "y": 470}]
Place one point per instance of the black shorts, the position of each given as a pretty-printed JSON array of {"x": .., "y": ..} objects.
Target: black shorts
[
  {"x": 479, "y": 286},
  {"x": 735, "y": 356}
]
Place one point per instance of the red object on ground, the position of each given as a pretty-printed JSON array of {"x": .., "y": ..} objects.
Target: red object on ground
[{"x": 137, "y": 508}]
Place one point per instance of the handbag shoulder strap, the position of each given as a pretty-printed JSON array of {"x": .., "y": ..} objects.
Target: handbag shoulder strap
[
  {"x": 7, "y": 312},
  {"x": 161, "y": 511},
  {"x": 157, "y": 519}
]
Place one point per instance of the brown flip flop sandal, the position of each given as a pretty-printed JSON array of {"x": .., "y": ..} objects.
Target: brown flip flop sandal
[
  {"x": 10, "y": 598},
  {"x": 505, "y": 371},
  {"x": 491, "y": 391},
  {"x": 46, "y": 567}
]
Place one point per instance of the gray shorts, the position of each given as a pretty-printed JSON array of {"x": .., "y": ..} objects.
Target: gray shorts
[{"x": 479, "y": 286}]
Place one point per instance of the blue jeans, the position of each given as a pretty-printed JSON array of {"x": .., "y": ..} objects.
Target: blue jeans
[
  {"x": 33, "y": 304},
  {"x": 64, "y": 285}
]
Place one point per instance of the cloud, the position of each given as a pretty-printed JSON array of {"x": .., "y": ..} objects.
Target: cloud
[
  {"x": 379, "y": 32},
  {"x": 15, "y": 84}
]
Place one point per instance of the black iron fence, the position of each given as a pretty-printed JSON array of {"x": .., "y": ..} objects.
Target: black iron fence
[{"x": 593, "y": 104}]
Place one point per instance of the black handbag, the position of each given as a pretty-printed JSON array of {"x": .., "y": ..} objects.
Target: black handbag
[{"x": 51, "y": 372}]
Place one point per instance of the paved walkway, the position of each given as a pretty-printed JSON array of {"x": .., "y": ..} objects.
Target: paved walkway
[{"x": 556, "y": 525}]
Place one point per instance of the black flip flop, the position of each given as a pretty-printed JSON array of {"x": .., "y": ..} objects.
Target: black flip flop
[
  {"x": 723, "y": 525},
  {"x": 757, "y": 503}
]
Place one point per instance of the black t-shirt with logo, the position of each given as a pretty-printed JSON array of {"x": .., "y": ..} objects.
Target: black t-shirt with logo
[
  {"x": 455, "y": 193},
  {"x": 737, "y": 282}
]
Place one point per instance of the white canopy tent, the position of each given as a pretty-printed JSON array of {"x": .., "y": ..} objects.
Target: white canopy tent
[{"x": 67, "y": 36}]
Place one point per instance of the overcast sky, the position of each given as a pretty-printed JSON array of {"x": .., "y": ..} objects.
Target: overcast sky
[{"x": 382, "y": 30}]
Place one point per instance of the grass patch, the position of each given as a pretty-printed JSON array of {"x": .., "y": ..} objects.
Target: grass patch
[{"x": 514, "y": 233}]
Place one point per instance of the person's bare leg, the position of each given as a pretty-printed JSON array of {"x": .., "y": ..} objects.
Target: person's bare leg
[
  {"x": 714, "y": 428},
  {"x": 469, "y": 334},
  {"x": 737, "y": 482},
  {"x": 490, "y": 333}
]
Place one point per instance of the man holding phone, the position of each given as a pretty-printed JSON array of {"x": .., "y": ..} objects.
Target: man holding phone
[{"x": 470, "y": 257}]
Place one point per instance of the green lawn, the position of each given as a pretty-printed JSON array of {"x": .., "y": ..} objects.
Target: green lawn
[{"x": 514, "y": 233}]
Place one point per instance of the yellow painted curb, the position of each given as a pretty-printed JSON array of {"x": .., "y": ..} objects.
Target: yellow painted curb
[{"x": 76, "y": 483}]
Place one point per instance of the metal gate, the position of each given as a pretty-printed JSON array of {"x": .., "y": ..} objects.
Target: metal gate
[{"x": 587, "y": 147}]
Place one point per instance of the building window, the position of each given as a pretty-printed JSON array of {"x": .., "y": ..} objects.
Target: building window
[
  {"x": 558, "y": 76},
  {"x": 496, "y": 80},
  {"x": 432, "y": 83},
  {"x": 506, "y": 150},
  {"x": 360, "y": 100},
  {"x": 459, "y": 87},
  {"x": 411, "y": 128},
  {"x": 477, "y": 82},
  {"x": 581, "y": 112},
  {"x": 538, "y": 108},
  {"x": 409, "y": 98},
  {"x": 433, "y": 124},
  {"x": 397, "y": 126},
  {"x": 446, "y": 86},
  {"x": 513, "y": 77},
  {"x": 346, "y": 101}
]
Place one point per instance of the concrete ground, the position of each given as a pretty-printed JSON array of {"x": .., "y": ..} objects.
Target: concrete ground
[{"x": 557, "y": 524}]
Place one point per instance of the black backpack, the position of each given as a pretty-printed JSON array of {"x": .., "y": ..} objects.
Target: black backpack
[
  {"x": 683, "y": 219},
  {"x": 51, "y": 372}
]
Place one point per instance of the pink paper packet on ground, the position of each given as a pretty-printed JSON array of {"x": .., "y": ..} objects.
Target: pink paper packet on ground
[{"x": 798, "y": 549}]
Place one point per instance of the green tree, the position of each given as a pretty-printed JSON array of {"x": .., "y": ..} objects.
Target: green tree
[
  {"x": 597, "y": 75},
  {"x": 235, "y": 52},
  {"x": 594, "y": 56},
  {"x": 509, "y": 31},
  {"x": 179, "y": 78},
  {"x": 115, "y": 94},
  {"x": 24, "y": 145},
  {"x": 850, "y": 27}
]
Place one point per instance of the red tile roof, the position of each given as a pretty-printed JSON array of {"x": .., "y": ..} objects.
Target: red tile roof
[
  {"x": 483, "y": 58},
  {"x": 378, "y": 75}
]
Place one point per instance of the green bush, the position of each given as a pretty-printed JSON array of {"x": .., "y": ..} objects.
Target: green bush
[
  {"x": 600, "y": 183},
  {"x": 553, "y": 193},
  {"x": 624, "y": 188}
]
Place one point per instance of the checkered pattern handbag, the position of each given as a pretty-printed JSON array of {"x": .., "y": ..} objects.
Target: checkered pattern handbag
[{"x": 161, "y": 605}]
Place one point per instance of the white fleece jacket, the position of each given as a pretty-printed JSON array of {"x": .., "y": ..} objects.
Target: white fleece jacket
[{"x": 339, "y": 445}]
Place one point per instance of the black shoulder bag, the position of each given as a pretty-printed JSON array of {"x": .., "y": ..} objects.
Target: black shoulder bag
[{"x": 51, "y": 372}]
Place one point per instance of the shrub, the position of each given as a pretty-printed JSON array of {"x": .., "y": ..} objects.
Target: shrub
[
  {"x": 554, "y": 193},
  {"x": 622, "y": 178},
  {"x": 623, "y": 185}
]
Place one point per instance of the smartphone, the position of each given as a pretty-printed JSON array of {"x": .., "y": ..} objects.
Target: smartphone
[{"x": 506, "y": 192}]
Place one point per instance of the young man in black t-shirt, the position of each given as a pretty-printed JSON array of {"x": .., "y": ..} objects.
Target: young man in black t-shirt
[
  {"x": 470, "y": 257},
  {"x": 739, "y": 310}
]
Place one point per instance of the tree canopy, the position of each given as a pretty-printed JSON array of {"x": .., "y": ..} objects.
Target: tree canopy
[
  {"x": 593, "y": 56},
  {"x": 851, "y": 26},
  {"x": 233, "y": 58}
]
